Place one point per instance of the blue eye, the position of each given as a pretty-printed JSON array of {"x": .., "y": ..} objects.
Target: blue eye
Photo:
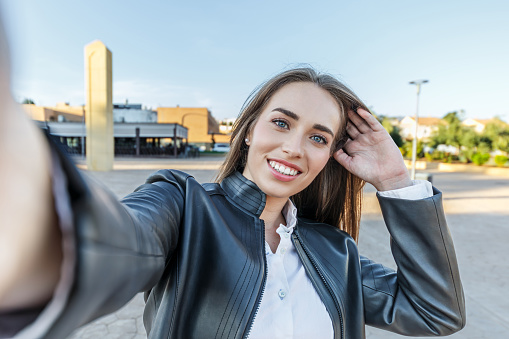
[
  {"x": 280, "y": 123},
  {"x": 319, "y": 139}
]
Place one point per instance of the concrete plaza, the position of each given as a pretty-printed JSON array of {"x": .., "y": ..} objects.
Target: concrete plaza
[{"x": 477, "y": 208}]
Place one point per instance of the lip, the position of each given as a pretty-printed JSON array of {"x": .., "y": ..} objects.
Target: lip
[{"x": 283, "y": 177}]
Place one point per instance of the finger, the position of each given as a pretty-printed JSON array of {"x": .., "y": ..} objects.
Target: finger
[
  {"x": 359, "y": 122},
  {"x": 351, "y": 146},
  {"x": 352, "y": 130},
  {"x": 343, "y": 158},
  {"x": 369, "y": 119}
]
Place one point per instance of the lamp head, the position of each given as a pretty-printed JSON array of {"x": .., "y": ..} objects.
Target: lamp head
[{"x": 418, "y": 82}]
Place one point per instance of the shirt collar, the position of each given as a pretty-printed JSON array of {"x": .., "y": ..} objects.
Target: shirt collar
[{"x": 290, "y": 214}]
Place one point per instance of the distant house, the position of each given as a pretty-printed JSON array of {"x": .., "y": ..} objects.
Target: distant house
[
  {"x": 477, "y": 124},
  {"x": 425, "y": 128}
]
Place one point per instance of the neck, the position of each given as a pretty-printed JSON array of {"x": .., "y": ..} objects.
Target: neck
[{"x": 272, "y": 213}]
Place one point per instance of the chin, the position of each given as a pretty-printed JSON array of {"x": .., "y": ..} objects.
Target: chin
[{"x": 278, "y": 191}]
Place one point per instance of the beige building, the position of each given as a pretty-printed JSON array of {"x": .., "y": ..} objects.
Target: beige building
[
  {"x": 62, "y": 112},
  {"x": 203, "y": 129},
  {"x": 425, "y": 128},
  {"x": 477, "y": 124},
  {"x": 202, "y": 126}
]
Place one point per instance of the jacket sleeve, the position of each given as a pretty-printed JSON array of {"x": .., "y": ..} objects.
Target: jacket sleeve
[
  {"x": 120, "y": 248},
  {"x": 424, "y": 296}
]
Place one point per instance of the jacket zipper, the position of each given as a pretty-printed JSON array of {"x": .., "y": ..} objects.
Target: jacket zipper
[
  {"x": 264, "y": 279},
  {"x": 298, "y": 242}
]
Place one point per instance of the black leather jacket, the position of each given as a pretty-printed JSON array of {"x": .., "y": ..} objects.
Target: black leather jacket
[{"x": 198, "y": 252}]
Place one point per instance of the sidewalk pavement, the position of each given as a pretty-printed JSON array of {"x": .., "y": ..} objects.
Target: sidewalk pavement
[{"x": 477, "y": 209}]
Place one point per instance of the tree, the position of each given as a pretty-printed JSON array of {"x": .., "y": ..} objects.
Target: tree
[
  {"x": 447, "y": 134},
  {"x": 28, "y": 101},
  {"x": 393, "y": 130},
  {"x": 496, "y": 134},
  {"x": 453, "y": 130},
  {"x": 463, "y": 138}
]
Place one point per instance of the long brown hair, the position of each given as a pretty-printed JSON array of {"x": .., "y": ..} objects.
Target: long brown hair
[{"x": 334, "y": 197}]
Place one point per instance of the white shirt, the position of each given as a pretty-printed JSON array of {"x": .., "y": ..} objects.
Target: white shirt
[{"x": 290, "y": 306}]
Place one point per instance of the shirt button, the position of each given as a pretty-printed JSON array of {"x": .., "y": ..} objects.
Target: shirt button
[
  {"x": 282, "y": 294},
  {"x": 283, "y": 250},
  {"x": 287, "y": 235}
]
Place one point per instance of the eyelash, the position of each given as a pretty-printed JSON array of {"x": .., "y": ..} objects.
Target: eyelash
[{"x": 278, "y": 122}]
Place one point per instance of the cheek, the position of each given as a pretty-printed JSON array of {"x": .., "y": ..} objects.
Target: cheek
[
  {"x": 318, "y": 161},
  {"x": 263, "y": 140}
]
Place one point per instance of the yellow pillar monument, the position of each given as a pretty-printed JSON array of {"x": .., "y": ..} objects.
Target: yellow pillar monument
[{"x": 99, "y": 107}]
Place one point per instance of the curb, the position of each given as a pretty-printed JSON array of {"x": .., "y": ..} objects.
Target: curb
[{"x": 469, "y": 168}]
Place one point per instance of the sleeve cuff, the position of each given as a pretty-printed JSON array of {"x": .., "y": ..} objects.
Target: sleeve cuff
[{"x": 420, "y": 189}]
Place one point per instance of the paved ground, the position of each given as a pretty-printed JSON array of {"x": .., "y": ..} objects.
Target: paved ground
[{"x": 477, "y": 208}]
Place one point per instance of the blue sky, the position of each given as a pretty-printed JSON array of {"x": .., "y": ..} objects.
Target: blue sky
[{"x": 214, "y": 53}]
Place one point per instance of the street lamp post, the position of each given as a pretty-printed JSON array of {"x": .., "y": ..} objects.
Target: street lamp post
[{"x": 418, "y": 83}]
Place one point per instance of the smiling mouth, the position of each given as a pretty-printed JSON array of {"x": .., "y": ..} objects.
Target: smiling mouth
[{"x": 283, "y": 169}]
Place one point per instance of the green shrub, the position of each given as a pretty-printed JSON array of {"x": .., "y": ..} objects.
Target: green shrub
[
  {"x": 480, "y": 158},
  {"x": 463, "y": 158},
  {"x": 438, "y": 155},
  {"x": 500, "y": 160}
]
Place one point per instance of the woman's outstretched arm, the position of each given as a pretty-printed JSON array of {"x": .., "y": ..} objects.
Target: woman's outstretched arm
[
  {"x": 30, "y": 240},
  {"x": 69, "y": 250}
]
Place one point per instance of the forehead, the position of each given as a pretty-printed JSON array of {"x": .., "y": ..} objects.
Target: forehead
[{"x": 309, "y": 102}]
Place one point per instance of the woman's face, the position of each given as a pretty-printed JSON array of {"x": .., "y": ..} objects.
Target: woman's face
[{"x": 292, "y": 139}]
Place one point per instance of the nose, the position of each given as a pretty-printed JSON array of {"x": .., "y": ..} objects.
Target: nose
[{"x": 293, "y": 146}]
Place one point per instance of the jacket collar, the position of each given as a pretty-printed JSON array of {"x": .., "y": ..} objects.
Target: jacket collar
[{"x": 244, "y": 193}]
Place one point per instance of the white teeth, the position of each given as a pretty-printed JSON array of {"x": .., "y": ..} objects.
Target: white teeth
[{"x": 283, "y": 169}]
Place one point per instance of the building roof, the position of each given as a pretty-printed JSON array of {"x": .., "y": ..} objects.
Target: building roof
[
  {"x": 120, "y": 130},
  {"x": 426, "y": 121},
  {"x": 485, "y": 121}
]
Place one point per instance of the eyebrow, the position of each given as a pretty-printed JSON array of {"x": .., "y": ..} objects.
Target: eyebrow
[
  {"x": 296, "y": 117},
  {"x": 287, "y": 112}
]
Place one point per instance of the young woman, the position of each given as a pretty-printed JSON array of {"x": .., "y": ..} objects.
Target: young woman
[{"x": 269, "y": 251}]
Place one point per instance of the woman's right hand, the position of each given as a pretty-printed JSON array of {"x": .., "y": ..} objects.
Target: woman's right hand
[{"x": 371, "y": 154}]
